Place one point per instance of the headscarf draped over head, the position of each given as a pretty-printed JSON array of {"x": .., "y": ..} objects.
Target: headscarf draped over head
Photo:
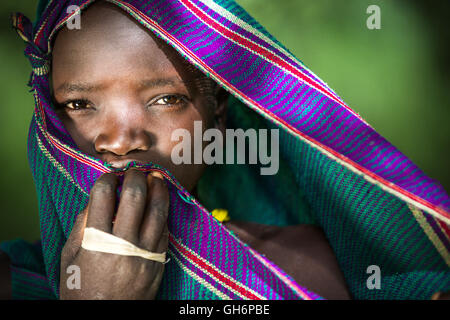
[{"x": 374, "y": 205}]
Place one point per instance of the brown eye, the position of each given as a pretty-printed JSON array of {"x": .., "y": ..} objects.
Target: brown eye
[
  {"x": 169, "y": 100},
  {"x": 78, "y": 105}
]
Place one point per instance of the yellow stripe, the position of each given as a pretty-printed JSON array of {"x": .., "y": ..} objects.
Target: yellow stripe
[
  {"x": 45, "y": 21},
  {"x": 198, "y": 279},
  {"x": 445, "y": 254},
  {"x": 442, "y": 230},
  {"x": 57, "y": 165},
  {"x": 247, "y": 27},
  {"x": 48, "y": 136},
  {"x": 218, "y": 271},
  {"x": 40, "y": 71},
  {"x": 256, "y": 107}
]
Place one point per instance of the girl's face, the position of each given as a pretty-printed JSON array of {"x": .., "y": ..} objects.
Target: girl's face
[{"x": 120, "y": 92}]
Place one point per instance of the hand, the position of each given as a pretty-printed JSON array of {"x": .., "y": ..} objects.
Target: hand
[{"x": 141, "y": 219}]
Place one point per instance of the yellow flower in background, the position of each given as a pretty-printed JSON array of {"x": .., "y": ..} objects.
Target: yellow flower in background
[{"x": 221, "y": 215}]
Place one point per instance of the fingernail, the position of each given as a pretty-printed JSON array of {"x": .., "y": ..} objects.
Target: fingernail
[{"x": 157, "y": 175}]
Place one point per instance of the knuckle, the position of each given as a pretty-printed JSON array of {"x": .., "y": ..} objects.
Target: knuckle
[
  {"x": 136, "y": 192},
  {"x": 160, "y": 207},
  {"x": 103, "y": 187}
]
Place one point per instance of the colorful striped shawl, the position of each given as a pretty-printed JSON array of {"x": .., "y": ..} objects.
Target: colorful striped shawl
[{"x": 374, "y": 205}]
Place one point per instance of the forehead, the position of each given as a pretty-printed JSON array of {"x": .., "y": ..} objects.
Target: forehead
[{"x": 110, "y": 42}]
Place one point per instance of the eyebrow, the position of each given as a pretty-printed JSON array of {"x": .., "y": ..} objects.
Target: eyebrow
[
  {"x": 161, "y": 82},
  {"x": 67, "y": 87}
]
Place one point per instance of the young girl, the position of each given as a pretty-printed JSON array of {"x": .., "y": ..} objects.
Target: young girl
[{"x": 101, "y": 152}]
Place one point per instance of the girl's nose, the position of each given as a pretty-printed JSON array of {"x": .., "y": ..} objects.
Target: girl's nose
[
  {"x": 122, "y": 136},
  {"x": 121, "y": 143}
]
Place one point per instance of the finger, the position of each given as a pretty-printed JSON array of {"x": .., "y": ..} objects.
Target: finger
[
  {"x": 102, "y": 202},
  {"x": 131, "y": 206},
  {"x": 73, "y": 243},
  {"x": 156, "y": 213},
  {"x": 163, "y": 241},
  {"x": 161, "y": 248}
]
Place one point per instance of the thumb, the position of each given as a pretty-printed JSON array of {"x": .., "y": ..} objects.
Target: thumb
[{"x": 73, "y": 243}]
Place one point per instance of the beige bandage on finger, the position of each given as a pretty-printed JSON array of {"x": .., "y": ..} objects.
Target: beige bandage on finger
[{"x": 97, "y": 240}]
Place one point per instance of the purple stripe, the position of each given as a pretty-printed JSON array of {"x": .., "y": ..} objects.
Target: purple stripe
[
  {"x": 28, "y": 273},
  {"x": 437, "y": 230}
]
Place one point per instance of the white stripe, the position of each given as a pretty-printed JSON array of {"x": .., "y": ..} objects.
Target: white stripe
[
  {"x": 238, "y": 283},
  {"x": 325, "y": 90},
  {"x": 200, "y": 280}
]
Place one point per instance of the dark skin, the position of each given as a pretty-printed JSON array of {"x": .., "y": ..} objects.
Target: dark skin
[
  {"x": 121, "y": 105},
  {"x": 125, "y": 115}
]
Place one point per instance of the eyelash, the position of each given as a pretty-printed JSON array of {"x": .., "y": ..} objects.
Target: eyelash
[
  {"x": 180, "y": 100},
  {"x": 82, "y": 101}
]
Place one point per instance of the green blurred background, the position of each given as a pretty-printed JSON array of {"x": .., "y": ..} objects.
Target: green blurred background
[{"x": 397, "y": 78}]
